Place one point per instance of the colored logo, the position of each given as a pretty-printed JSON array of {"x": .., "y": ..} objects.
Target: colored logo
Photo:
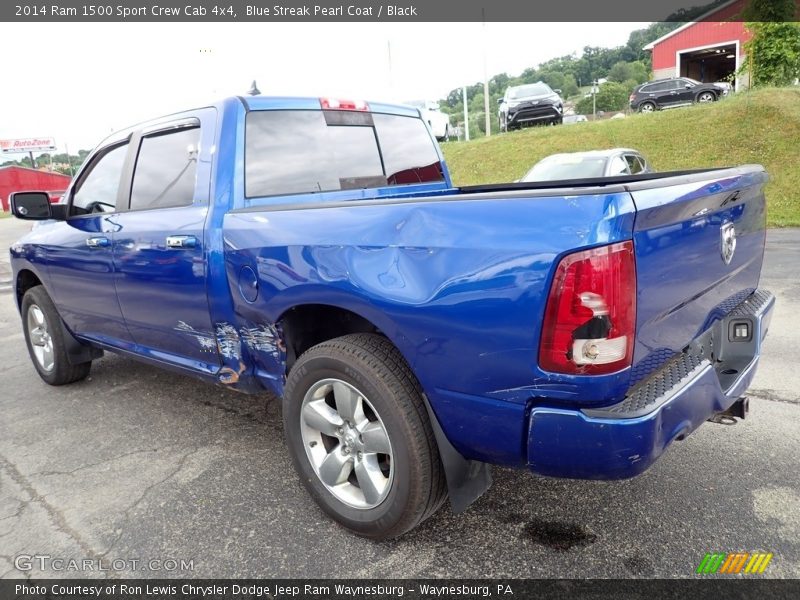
[{"x": 734, "y": 562}]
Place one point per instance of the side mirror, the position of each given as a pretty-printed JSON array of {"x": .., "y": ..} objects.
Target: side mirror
[
  {"x": 500, "y": 101},
  {"x": 31, "y": 206},
  {"x": 557, "y": 92},
  {"x": 689, "y": 85}
]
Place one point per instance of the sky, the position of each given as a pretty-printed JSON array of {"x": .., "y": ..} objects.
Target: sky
[{"x": 79, "y": 82}]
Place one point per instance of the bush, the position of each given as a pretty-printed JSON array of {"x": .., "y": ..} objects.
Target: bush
[{"x": 610, "y": 97}]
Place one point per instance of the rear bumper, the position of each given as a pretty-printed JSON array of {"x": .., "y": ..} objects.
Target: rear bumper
[{"x": 623, "y": 440}]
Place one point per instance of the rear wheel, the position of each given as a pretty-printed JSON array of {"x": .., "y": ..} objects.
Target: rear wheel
[
  {"x": 45, "y": 340},
  {"x": 360, "y": 438},
  {"x": 647, "y": 107}
]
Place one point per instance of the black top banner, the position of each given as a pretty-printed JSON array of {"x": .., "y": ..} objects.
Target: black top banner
[{"x": 376, "y": 10}]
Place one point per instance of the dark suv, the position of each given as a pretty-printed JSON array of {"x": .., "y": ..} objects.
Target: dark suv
[
  {"x": 528, "y": 104},
  {"x": 672, "y": 92}
]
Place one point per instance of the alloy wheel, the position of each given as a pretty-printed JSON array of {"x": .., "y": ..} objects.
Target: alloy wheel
[{"x": 347, "y": 443}]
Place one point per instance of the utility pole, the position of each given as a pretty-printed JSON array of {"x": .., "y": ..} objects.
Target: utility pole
[
  {"x": 485, "y": 80},
  {"x": 69, "y": 161},
  {"x": 594, "y": 100},
  {"x": 466, "y": 116},
  {"x": 389, "y": 55}
]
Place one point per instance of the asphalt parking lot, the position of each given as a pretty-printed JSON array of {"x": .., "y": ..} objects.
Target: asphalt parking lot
[{"x": 140, "y": 464}]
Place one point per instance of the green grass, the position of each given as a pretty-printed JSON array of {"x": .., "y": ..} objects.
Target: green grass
[
  {"x": 761, "y": 126},
  {"x": 4, "y": 214}
]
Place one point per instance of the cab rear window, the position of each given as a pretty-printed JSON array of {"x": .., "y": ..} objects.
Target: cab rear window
[{"x": 307, "y": 151}]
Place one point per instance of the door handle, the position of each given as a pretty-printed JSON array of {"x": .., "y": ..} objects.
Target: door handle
[
  {"x": 97, "y": 242},
  {"x": 181, "y": 241}
]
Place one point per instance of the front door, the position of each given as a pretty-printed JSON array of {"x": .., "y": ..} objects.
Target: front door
[
  {"x": 159, "y": 248},
  {"x": 79, "y": 251}
]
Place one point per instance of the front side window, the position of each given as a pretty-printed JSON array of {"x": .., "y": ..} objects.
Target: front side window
[
  {"x": 165, "y": 170},
  {"x": 308, "y": 151},
  {"x": 96, "y": 192},
  {"x": 617, "y": 167}
]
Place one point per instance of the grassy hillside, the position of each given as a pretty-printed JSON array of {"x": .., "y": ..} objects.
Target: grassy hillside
[{"x": 756, "y": 127}]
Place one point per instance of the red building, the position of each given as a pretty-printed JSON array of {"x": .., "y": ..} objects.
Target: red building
[
  {"x": 709, "y": 49},
  {"x": 22, "y": 179}
]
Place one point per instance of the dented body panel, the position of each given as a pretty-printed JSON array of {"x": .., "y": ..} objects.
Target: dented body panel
[{"x": 457, "y": 279}]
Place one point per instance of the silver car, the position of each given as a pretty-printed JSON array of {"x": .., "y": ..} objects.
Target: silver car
[{"x": 585, "y": 165}]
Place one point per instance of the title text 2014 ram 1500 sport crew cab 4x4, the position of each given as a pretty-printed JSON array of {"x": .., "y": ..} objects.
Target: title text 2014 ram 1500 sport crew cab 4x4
[{"x": 417, "y": 332}]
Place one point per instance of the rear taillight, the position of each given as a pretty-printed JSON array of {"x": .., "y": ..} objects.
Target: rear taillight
[
  {"x": 338, "y": 104},
  {"x": 590, "y": 319},
  {"x": 632, "y": 98}
]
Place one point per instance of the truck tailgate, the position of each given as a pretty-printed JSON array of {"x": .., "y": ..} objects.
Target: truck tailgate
[{"x": 699, "y": 243}]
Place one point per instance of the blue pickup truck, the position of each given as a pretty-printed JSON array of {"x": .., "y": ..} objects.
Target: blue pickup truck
[{"x": 417, "y": 332}]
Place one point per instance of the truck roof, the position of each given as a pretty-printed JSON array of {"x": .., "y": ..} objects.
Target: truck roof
[
  {"x": 313, "y": 103},
  {"x": 265, "y": 103}
]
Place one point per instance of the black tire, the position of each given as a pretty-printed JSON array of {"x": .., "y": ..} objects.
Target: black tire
[
  {"x": 704, "y": 97},
  {"x": 62, "y": 371},
  {"x": 647, "y": 107},
  {"x": 372, "y": 365}
]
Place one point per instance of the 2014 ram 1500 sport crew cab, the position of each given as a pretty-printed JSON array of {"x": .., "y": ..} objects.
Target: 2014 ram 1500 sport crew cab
[{"x": 416, "y": 332}]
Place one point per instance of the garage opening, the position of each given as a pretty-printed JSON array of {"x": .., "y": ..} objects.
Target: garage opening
[{"x": 717, "y": 63}]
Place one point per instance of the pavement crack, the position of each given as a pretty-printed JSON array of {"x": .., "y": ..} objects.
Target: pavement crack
[
  {"x": 147, "y": 490},
  {"x": 101, "y": 462},
  {"x": 772, "y": 396},
  {"x": 55, "y": 515}
]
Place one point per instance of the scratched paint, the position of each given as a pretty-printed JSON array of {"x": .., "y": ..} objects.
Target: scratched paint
[
  {"x": 264, "y": 338},
  {"x": 205, "y": 339},
  {"x": 228, "y": 342}
]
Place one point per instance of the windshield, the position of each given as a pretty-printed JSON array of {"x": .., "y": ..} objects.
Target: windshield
[
  {"x": 534, "y": 89},
  {"x": 566, "y": 166}
]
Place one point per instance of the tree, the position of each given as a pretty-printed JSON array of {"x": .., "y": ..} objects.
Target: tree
[
  {"x": 773, "y": 51},
  {"x": 610, "y": 96},
  {"x": 623, "y": 71},
  {"x": 570, "y": 86}
]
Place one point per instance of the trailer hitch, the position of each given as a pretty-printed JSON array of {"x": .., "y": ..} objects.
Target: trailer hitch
[{"x": 737, "y": 410}]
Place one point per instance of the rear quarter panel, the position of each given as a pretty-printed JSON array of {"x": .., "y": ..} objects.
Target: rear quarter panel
[{"x": 459, "y": 285}]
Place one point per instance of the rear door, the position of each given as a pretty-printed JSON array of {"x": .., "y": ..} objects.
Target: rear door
[
  {"x": 699, "y": 247},
  {"x": 159, "y": 246}
]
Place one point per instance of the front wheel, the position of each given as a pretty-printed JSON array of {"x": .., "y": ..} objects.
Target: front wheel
[
  {"x": 706, "y": 97},
  {"x": 45, "y": 340},
  {"x": 360, "y": 438}
]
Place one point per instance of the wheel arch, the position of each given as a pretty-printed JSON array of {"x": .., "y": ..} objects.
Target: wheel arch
[
  {"x": 26, "y": 279},
  {"x": 77, "y": 351},
  {"x": 306, "y": 325}
]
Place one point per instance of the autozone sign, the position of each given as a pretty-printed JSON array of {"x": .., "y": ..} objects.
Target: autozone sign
[{"x": 39, "y": 144}]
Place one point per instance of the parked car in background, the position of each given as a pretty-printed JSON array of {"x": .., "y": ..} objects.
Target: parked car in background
[
  {"x": 572, "y": 119},
  {"x": 585, "y": 165},
  {"x": 674, "y": 92},
  {"x": 438, "y": 121},
  {"x": 529, "y": 104}
]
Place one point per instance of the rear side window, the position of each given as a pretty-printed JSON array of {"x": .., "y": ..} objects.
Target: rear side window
[
  {"x": 165, "y": 170},
  {"x": 296, "y": 151},
  {"x": 634, "y": 164}
]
